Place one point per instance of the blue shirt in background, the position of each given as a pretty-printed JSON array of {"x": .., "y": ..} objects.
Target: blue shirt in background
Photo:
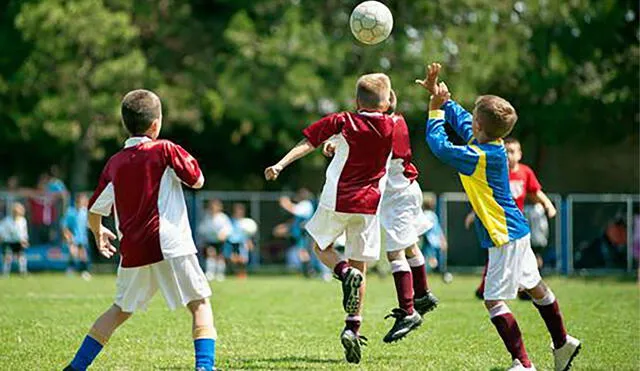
[{"x": 75, "y": 220}]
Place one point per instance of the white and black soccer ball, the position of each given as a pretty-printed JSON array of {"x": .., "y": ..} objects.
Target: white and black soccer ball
[
  {"x": 371, "y": 22},
  {"x": 248, "y": 226}
]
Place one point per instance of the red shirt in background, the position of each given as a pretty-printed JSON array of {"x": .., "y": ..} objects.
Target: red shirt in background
[{"x": 522, "y": 182}]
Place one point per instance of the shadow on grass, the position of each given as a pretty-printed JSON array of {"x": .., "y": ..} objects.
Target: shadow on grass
[{"x": 270, "y": 363}]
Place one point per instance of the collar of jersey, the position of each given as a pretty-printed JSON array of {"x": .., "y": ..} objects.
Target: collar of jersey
[
  {"x": 496, "y": 142},
  {"x": 134, "y": 141},
  {"x": 370, "y": 113}
]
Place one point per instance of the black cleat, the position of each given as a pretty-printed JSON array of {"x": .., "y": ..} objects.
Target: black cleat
[
  {"x": 351, "y": 290},
  {"x": 403, "y": 325},
  {"x": 479, "y": 294},
  {"x": 352, "y": 344},
  {"x": 426, "y": 303}
]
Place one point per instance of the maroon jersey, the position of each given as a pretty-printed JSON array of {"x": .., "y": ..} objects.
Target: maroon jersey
[
  {"x": 523, "y": 182},
  {"x": 401, "y": 171},
  {"x": 142, "y": 184},
  {"x": 356, "y": 176}
]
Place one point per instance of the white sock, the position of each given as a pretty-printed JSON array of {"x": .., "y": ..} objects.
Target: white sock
[
  {"x": 400, "y": 266},
  {"x": 499, "y": 310},
  {"x": 210, "y": 266},
  {"x": 548, "y": 299},
  {"x": 221, "y": 267},
  {"x": 416, "y": 261},
  {"x": 22, "y": 264}
]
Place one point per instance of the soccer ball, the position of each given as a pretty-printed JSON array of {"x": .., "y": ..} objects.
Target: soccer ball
[
  {"x": 371, "y": 22},
  {"x": 248, "y": 226}
]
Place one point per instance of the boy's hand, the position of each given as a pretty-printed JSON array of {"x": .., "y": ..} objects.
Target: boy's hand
[
  {"x": 550, "y": 210},
  {"x": 430, "y": 82},
  {"x": 103, "y": 241},
  {"x": 329, "y": 149},
  {"x": 441, "y": 96},
  {"x": 272, "y": 172}
]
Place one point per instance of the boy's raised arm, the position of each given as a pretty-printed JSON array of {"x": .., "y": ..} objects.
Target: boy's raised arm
[{"x": 303, "y": 148}]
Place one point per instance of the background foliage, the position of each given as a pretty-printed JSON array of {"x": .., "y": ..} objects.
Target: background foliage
[{"x": 240, "y": 78}]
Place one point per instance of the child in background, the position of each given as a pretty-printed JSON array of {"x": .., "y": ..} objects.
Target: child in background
[
  {"x": 434, "y": 241},
  {"x": 501, "y": 227},
  {"x": 14, "y": 236},
  {"x": 239, "y": 242},
  {"x": 352, "y": 193},
  {"x": 75, "y": 233},
  {"x": 144, "y": 180},
  {"x": 213, "y": 231}
]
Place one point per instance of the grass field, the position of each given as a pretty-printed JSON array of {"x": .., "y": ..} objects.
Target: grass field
[{"x": 287, "y": 323}]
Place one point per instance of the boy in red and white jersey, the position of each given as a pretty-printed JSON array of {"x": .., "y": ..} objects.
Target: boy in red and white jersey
[
  {"x": 142, "y": 184},
  {"x": 352, "y": 194},
  {"x": 402, "y": 223}
]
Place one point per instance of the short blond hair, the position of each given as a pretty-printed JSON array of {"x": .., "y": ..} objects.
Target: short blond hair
[
  {"x": 496, "y": 116},
  {"x": 373, "y": 90}
]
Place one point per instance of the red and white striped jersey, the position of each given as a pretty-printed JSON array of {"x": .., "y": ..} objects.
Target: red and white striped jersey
[
  {"x": 401, "y": 171},
  {"x": 356, "y": 177},
  {"x": 142, "y": 184}
]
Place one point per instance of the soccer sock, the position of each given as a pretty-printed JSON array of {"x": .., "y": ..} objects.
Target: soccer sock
[
  {"x": 550, "y": 313},
  {"x": 221, "y": 267},
  {"x": 6, "y": 266},
  {"x": 340, "y": 269},
  {"x": 204, "y": 343},
  {"x": 404, "y": 284},
  {"x": 353, "y": 323},
  {"x": 419, "y": 274},
  {"x": 509, "y": 331},
  {"x": 22, "y": 264},
  {"x": 210, "y": 266},
  {"x": 480, "y": 288},
  {"x": 89, "y": 350}
]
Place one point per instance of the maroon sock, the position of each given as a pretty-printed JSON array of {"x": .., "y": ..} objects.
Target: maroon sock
[
  {"x": 553, "y": 319},
  {"x": 353, "y": 323},
  {"x": 420, "y": 283},
  {"x": 510, "y": 333},
  {"x": 404, "y": 290},
  {"x": 480, "y": 288},
  {"x": 340, "y": 269}
]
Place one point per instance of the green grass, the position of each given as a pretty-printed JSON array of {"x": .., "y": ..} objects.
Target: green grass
[{"x": 288, "y": 323}]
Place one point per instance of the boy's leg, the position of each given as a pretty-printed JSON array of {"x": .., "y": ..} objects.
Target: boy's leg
[
  {"x": 424, "y": 300},
  {"x": 351, "y": 277},
  {"x": 204, "y": 334},
  {"x": 508, "y": 329},
  {"x": 97, "y": 337},
  {"x": 6, "y": 264},
  {"x": 210, "y": 262},
  {"x": 22, "y": 262},
  {"x": 480, "y": 290}
]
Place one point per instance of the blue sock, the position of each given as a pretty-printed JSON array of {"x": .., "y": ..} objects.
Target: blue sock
[
  {"x": 86, "y": 354},
  {"x": 205, "y": 353}
]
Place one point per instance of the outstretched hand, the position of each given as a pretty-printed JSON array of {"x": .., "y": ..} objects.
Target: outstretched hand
[
  {"x": 430, "y": 82},
  {"x": 440, "y": 97},
  {"x": 272, "y": 172}
]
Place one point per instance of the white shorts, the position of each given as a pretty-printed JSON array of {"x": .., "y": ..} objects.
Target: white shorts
[
  {"x": 511, "y": 266},
  {"x": 180, "y": 279},
  {"x": 362, "y": 232},
  {"x": 401, "y": 218}
]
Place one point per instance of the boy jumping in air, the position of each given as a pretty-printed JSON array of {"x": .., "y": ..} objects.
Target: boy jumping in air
[
  {"x": 352, "y": 193},
  {"x": 143, "y": 185},
  {"x": 501, "y": 227}
]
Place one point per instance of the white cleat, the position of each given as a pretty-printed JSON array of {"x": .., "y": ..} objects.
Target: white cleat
[
  {"x": 564, "y": 356},
  {"x": 517, "y": 366}
]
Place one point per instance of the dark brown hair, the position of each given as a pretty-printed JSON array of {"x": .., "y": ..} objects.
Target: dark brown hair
[
  {"x": 139, "y": 109},
  {"x": 496, "y": 116}
]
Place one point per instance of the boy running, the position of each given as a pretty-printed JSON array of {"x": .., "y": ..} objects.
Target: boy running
[
  {"x": 501, "y": 227},
  {"x": 403, "y": 223},
  {"x": 142, "y": 184},
  {"x": 351, "y": 197}
]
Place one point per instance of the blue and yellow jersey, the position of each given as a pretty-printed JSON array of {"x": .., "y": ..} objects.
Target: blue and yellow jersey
[{"x": 484, "y": 174}]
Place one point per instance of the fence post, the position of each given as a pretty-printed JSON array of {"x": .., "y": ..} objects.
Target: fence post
[
  {"x": 629, "y": 234},
  {"x": 567, "y": 245},
  {"x": 442, "y": 212},
  {"x": 255, "y": 215}
]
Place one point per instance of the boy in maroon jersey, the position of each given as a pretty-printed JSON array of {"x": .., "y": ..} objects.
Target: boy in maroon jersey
[
  {"x": 142, "y": 184},
  {"x": 403, "y": 222},
  {"x": 350, "y": 200},
  {"x": 523, "y": 184}
]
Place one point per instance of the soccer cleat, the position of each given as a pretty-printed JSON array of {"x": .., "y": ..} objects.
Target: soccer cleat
[
  {"x": 403, "y": 325},
  {"x": 351, "y": 290},
  {"x": 426, "y": 303},
  {"x": 479, "y": 294},
  {"x": 517, "y": 366},
  {"x": 352, "y": 344},
  {"x": 564, "y": 356}
]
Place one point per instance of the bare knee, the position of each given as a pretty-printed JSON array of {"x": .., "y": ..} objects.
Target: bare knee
[
  {"x": 395, "y": 255},
  {"x": 539, "y": 291},
  {"x": 489, "y": 304},
  {"x": 196, "y": 305},
  {"x": 359, "y": 265},
  {"x": 118, "y": 314},
  {"x": 412, "y": 251}
]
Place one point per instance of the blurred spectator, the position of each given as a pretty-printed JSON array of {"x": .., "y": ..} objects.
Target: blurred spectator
[
  {"x": 609, "y": 250},
  {"x": 43, "y": 212},
  {"x": 239, "y": 242},
  {"x": 213, "y": 231},
  {"x": 75, "y": 232},
  {"x": 434, "y": 241},
  {"x": 12, "y": 195},
  {"x": 15, "y": 239},
  {"x": 55, "y": 185},
  {"x": 539, "y": 224}
]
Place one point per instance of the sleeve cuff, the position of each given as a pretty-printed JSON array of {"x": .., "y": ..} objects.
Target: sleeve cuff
[{"x": 436, "y": 114}]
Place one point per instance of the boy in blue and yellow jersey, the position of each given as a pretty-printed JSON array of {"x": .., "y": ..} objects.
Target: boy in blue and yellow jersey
[{"x": 501, "y": 227}]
